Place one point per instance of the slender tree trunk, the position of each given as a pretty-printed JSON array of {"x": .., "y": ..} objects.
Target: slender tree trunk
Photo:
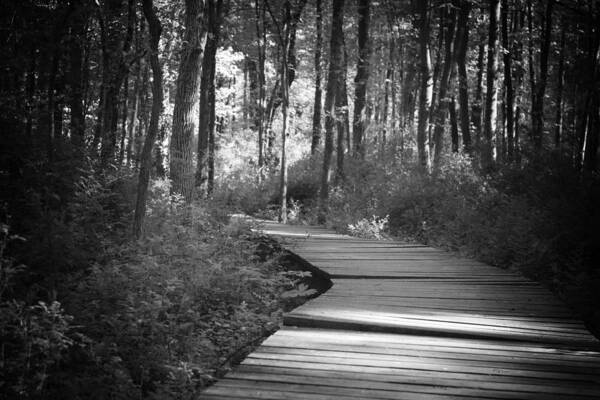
[
  {"x": 409, "y": 90},
  {"x": 133, "y": 122},
  {"x": 143, "y": 116},
  {"x": 478, "y": 103},
  {"x": 389, "y": 96},
  {"x": 49, "y": 127},
  {"x": 316, "y": 127},
  {"x": 558, "y": 121},
  {"x": 186, "y": 99},
  {"x": 491, "y": 100},
  {"x": 462, "y": 40},
  {"x": 537, "y": 110},
  {"x": 207, "y": 89},
  {"x": 78, "y": 22},
  {"x": 334, "y": 78},
  {"x": 443, "y": 101},
  {"x": 531, "y": 65},
  {"x": 426, "y": 86},
  {"x": 124, "y": 116},
  {"x": 115, "y": 69},
  {"x": 260, "y": 118},
  {"x": 342, "y": 123},
  {"x": 453, "y": 125},
  {"x": 211, "y": 133},
  {"x": 277, "y": 94},
  {"x": 284, "y": 111},
  {"x": 509, "y": 93},
  {"x": 591, "y": 137},
  {"x": 155, "y": 29},
  {"x": 362, "y": 77},
  {"x": 518, "y": 84}
]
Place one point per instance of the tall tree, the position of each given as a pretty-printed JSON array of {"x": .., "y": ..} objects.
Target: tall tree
[
  {"x": 362, "y": 77},
  {"x": 115, "y": 66},
  {"x": 276, "y": 100},
  {"x": 491, "y": 97},
  {"x": 334, "y": 79},
  {"x": 316, "y": 126},
  {"x": 537, "y": 107},
  {"x": 558, "y": 120},
  {"x": 286, "y": 33},
  {"x": 509, "y": 96},
  {"x": 155, "y": 29},
  {"x": 186, "y": 99},
  {"x": 478, "y": 98},
  {"x": 461, "y": 46},
  {"x": 261, "y": 43},
  {"x": 206, "y": 122},
  {"x": 443, "y": 99},
  {"x": 79, "y": 17},
  {"x": 341, "y": 118},
  {"x": 426, "y": 85}
]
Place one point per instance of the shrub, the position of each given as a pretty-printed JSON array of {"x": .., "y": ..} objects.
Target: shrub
[{"x": 370, "y": 229}]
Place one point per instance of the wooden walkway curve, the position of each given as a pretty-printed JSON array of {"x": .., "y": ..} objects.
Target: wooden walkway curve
[{"x": 405, "y": 321}]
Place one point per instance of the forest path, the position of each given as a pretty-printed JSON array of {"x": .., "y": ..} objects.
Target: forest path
[{"x": 406, "y": 321}]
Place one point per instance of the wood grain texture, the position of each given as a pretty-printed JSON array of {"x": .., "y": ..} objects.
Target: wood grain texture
[{"x": 407, "y": 321}]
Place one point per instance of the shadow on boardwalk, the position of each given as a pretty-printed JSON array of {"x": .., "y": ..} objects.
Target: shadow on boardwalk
[{"x": 405, "y": 321}]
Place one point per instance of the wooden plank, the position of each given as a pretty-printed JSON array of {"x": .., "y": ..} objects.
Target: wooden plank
[
  {"x": 419, "y": 327},
  {"x": 427, "y": 384},
  {"x": 384, "y": 339},
  {"x": 406, "y": 321}
]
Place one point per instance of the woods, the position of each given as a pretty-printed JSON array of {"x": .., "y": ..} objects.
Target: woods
[{"x": 132, "y": 129}]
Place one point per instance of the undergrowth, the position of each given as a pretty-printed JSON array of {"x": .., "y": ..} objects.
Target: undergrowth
[
  {"x": 88, "y": 313},
  {"x": 539, "y": 217}
]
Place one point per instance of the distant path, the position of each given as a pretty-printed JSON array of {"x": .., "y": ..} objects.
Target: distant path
[{"x": 406, "y": 321}]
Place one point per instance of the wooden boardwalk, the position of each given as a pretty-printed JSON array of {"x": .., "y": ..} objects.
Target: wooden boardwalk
[{"x": 405, "y": 321}]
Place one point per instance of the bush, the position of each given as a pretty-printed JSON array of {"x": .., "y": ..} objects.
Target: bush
[{"x": 370, "y": 229}]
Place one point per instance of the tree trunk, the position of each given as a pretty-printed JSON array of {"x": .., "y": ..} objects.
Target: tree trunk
[
  {"x": 537, "y": 109},
  {"x": 114, "y": 70},
  {"x": 342, "y": 123},
  {"x": 334, "y": 78},
  {"x": 124, "y": 116},
  {"x": 277, "y": 94},
  {"x": 509, "y": 93},
  {"x": 186, "y": 99},
  {"x": 591, "y": 139},
  {"x": 78, "y": 22},
  {"x": 316, "y": 127},
  {"x": 478, "y": 103},
  {"x": 518, "y": 22},
  {"x": 558, "y": 121},
  {"x": 133, "y": 122},
  {"x": 491, "y": 98},
  {"x": 207, "y": 89},
  {"x": 462, "y": 40},
  {"x": 155, "y": 29},
  {"x": 211, "y": 133},
  {"x": 453, "y": 125},
  {"x": 443, "y": 101},
  {"x": 285, "y": 45},
  {"x": 260, "y": 117},
  {"x": 426, "y": 86},
  {"x": 362, "y": 77},
  {"x": 389, "y": 93}
]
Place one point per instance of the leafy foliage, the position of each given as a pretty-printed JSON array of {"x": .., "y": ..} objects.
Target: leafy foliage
[
  {"x": 156, "y": 318},
  {"x": 370, "y": 229}
]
